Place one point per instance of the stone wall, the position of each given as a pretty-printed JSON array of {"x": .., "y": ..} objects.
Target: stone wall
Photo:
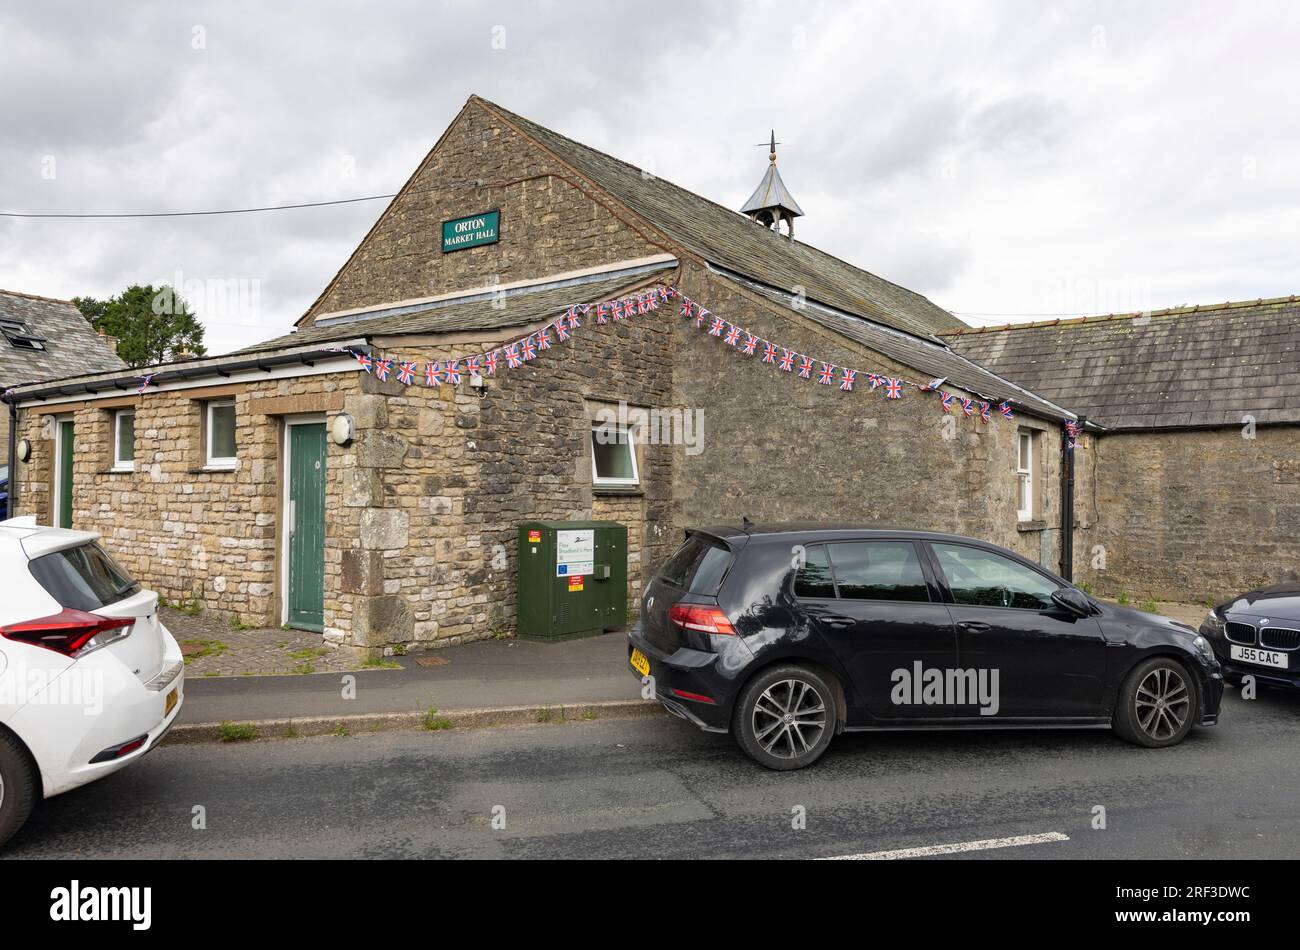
[
  {"x": 551, "y": 222},
  {"x": 451, "y": 475},
  {"x": 195, "y": 536},
  {"x": 1192, "y": 515},
  {"x": 781, "y": 448}
]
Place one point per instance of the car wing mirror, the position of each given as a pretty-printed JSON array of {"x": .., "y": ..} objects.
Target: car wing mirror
[{"x": 1073, "y": 600}]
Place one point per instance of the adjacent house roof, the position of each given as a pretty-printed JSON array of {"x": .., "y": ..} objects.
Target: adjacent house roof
[
  {"x": 479, "y": 312},
  {"x": 42, "y": 338},
  {"x": 731, "y": 240},
  {"x": 1183, "y": 367}
]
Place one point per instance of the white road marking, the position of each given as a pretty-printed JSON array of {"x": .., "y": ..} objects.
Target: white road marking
[{"x": 957, "y": 848}]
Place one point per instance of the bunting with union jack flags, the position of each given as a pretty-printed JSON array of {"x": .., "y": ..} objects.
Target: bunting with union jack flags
[{"x": 528, "y": 348}]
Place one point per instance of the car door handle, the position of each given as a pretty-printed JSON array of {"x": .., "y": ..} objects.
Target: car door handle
[
  {"x": 974, "y": 626},
  {"x": 837, "y": 622}
]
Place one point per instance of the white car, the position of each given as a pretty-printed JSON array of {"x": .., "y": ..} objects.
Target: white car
[{"x": 90, "y": 679}]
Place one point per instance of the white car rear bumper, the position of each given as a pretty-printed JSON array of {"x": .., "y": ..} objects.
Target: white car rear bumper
[{"x": 98, "y": 703}]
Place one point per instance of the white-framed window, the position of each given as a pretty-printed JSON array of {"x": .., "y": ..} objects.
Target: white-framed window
[
  {"x": 1025, "y": 474},
  {"x": 220, "y": 433},
  {"x": 124, "y": 440},
  {"x": 613, "y": 454}
]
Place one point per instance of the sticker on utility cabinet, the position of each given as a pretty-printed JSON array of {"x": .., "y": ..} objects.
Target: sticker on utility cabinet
[{"x": 575, "y": 553}]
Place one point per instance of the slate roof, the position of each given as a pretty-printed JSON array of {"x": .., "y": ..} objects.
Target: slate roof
[
  {"x": 478, "y": 313},
  {"x": 70, "y": 344},
  {"x": 1183, "y": 367},
  {"x": 932, "y": 360},
  {"x": 729, "y": 239}
]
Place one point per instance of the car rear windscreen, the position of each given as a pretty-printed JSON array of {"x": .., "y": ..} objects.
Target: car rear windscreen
[
  {"x": 83, "y": 578},
  {"x": 698, "y": 566}
]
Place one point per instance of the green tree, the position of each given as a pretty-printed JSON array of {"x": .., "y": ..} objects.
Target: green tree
[{"x": 152, "y": 324}]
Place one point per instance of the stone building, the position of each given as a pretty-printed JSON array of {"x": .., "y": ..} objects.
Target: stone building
[
  {"x": 42, "y": 338},
  {"x": 1195, "y": 413},
  {"x": 309, "y": 464}
]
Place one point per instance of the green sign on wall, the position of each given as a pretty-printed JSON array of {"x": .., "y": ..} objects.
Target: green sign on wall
[{"x": 460, "y": 233}]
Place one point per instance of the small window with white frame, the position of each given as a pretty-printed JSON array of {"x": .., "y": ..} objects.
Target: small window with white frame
[
  {"x": 613, "y": 455},
  {"x": 220, "y": 425},
  {"x": 1025, "y": 474},
  {"x": 124, "y": 440}
]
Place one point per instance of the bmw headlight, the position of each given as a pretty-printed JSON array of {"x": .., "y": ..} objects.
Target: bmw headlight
[{"x": 1212, "y": 624}]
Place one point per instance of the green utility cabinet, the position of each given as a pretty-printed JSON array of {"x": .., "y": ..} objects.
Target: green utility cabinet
[{"x": 572, "y": 578}]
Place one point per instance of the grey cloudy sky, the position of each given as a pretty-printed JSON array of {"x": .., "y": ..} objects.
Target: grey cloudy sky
[{"x": 1002, "y": 158}]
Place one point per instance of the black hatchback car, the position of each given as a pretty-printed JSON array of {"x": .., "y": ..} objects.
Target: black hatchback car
[
  {"x": 786, "y": 635},
  {"x": 1258, "y": 634}
]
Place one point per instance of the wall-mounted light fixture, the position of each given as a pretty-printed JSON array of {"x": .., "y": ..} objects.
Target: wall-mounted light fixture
[
  {"x": 343, "y": 430},
  {"x": 24, "y": 450},
  {"x": 478, "y": 384}
]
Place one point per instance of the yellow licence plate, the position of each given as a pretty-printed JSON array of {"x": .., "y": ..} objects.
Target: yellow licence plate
[
  {"x": 640, "y": 663},
  {"x": 170, "y": 702}
]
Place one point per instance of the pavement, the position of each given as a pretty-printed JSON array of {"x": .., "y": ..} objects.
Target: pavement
[
  {"x": 489, "y": 682},
  {"x": 520, "y": 679},
  {"x": 656, "y": 787}
]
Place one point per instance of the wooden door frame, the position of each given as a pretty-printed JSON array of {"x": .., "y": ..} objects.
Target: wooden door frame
[{"x": 286, "y": 466}]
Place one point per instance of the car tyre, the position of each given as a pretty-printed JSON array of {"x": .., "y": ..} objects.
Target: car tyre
[
  {"x": 785, "y": 717},
  {"x": 1157, "y": 704},
  {"x": 18, "y": 788}
]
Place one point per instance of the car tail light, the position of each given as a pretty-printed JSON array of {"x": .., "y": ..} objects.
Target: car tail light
[
  {"x": 73, "y": 633},
  {"x": 703, "y": 619},
  {"x": 117, "y": 751}
]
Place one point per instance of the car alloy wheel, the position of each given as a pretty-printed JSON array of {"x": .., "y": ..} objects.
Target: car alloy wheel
[
  {"x": 1163, "y": 701},
  {"x": 789, "y": 719}
]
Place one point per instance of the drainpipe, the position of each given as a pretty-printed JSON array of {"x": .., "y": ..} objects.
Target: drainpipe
[
  {"x": 12, "y": 400},
  {"x": 1067, "y": 502}
]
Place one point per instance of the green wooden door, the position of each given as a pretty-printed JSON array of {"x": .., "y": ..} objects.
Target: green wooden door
[
  {"x": 307, "y": 526},
  {"x": 63, "y": 478}
]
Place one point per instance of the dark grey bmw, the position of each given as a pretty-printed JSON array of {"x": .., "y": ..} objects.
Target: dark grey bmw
[
  {"x": 1258, "y": 634},
  {"x": 787, "y": 635}
]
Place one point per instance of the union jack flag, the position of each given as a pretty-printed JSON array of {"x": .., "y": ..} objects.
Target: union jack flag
[
  {"x": 573, "y": 320},
  {"x": 382, "y": 369},
  {"x": 826, "y": 375},
  {"x": 805, "y": 367},
  {"x": 1005, "y": 409},
  {"x": 984, "y": 412},
  {"x": 472, "y": 365},
  {"x": 601, "y": 310},
  {"x": 787, "y": 359},
  {"x": 406, "y": 372},
  {"x": 561, "y": 333},
  {"x": 544, "y": 338},
  {"x": 687, "y": 308},
  {"x": 643, "y": 303},
  {"x": 433, "y": 374},
  {"x": 894, "y": 389},
  {"x": 769, "y": 351},
  {"x": 846, "y": 381},
  {"x": 453, "y": 372},
  {"x": 529, "y": 348},
  {"x": 512, "y": 355},
  {"x": 491, "y": 363},
  {"x": 967, "y": 408},
  {"x": 701, "y": 315},
  {"x": 365, "y": 361},
  {"x": 651, "y": 301},
  {"x": 618, "y": 310},
  {"x": 144, "y": 383},
  {"x": 945, "y": 400},
  {"x": 751, "y": 343},
  {"x": 715, "y": 329},
  {"x": 876, "y": 380},
  {"x": 665, "y": 294},
  {"x": 733, "y": 335}
]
